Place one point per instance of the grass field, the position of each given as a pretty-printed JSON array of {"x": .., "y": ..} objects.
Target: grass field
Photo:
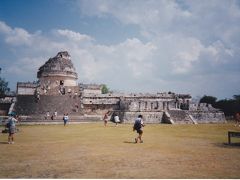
[{"x": 90, "y": 150}]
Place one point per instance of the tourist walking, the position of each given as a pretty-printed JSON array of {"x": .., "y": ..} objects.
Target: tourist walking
[
  {"x": 11, "y": 128},
  {"x": 138, "y": 126},
  {"x": 55, "y": 114},
  {"x": 116, "y": 119},
  {"x": 47, "y": 115},
  {"x": 65, "y": 119},
  {"x": 105, "y": 118}
]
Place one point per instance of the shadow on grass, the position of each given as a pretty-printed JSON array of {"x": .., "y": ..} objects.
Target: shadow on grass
[
  {"x": 129, "y": 142},
  {"x": 226, "y": 145},
  {"x": 3, "y": 142}
]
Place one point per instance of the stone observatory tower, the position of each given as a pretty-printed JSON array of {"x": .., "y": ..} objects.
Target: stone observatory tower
[{"x": 58, "y": 71}]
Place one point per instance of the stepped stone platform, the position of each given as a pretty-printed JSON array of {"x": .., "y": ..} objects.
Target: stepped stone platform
[
  {"x": 180, "y": 117},
  {"x": 40, "y": 119}
]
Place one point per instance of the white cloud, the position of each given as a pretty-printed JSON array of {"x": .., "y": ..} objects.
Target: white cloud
[
  {"x": 19, "y": 37},
  {"x": 130, "y": 58},
  {"x": 94, "y": 62},
  {"x": 205, "y": 20},
  {"x": 74, "y": 36},
  {"x": 137, "y": 56},
  {"x": 16, "y": 36},
  {"x": 182, "y": 43},
  {"x": 5, "y": 28},
  {"x": 25, "y": 66}
]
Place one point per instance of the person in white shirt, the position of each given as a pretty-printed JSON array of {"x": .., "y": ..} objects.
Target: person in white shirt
[
  {"x": 11, "y": 125},
  {"x": 116, "y": 119},
  {"x": 55, "y": 113}
]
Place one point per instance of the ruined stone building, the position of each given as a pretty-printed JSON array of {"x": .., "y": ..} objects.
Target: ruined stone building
[{"x": 57, "y": 90}]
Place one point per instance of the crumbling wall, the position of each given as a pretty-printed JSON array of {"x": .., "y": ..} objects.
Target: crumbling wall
[
  {"x": 208, "y": 117},
  {"x": 205, "y": 113},
  {"x": 148, "y": 117},
  {"x": 29, "y": 105}
]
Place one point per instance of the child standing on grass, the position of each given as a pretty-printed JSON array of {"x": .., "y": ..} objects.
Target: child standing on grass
[
  {"x": 11, "y": 128},
  {"x": 65, "y": 119},
  {"x": 116, "y": 119},
  {"x": 138, "y": 126}
]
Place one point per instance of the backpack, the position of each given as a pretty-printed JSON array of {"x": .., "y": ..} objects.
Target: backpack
[
  {"x": 9, "y": 123},
  {"x": 137, "y": 125}
]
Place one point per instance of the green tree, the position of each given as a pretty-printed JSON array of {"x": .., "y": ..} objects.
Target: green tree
[
  {"x": 236, "y": 97},
  {"x": 3, "y": 87},
  {"x": 105, "y": 89},
  {"x": 229, "y": 106},
  {"x": 208, "y": 99}
]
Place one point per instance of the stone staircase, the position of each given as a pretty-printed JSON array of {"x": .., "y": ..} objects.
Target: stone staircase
[{"x": 180, "y": 117}]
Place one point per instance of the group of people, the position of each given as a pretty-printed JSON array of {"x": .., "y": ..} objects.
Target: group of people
[
  {"x": 107, "y": 116},
  {"x": 138, "y": 124},
  {"x": 11, "y": 126},
  {"x": 54, "y": 115}
]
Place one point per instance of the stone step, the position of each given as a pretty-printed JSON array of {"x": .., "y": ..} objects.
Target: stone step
[{"x": 180, "y": 117}]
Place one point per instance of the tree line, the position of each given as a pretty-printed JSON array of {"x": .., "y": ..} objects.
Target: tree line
[
  {"x": 229, "y": 106},
  {"x": 4, "y": 89}
]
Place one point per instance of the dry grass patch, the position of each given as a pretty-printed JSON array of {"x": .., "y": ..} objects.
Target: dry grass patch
[{"x": 93, "y": 151}]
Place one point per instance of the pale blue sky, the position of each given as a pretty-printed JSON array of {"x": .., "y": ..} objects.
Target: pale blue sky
[{"x": 130, "y": 45}]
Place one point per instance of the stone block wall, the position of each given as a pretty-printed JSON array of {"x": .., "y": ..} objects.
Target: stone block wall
[
  {"x": 100, "y": 100},
  {"x": 180, "y": 117},
  {"x": 148, "y": 117},
  {"x": 208, "y": 116},
  {"x": 29, "y": 105}
]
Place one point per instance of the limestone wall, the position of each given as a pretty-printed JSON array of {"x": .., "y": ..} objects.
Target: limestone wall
[
  {"x": 99, "y": 109},
  {"x": 148, "y": 117},
  {"x": 25, "y": 91},
  {"x": 100, "y": 100},
  {"x": 92, "y": 91},
  {"x": 26, "y": 88},
  {"x": 179, "y": 116},
  {"x": 29, "y": 105},
  {"x": 208, "y": 116},
  {"x": 53, "y": 82}
]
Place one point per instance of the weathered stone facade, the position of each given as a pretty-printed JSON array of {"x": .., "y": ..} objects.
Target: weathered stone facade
[
  {"x": 26, "y": 88},
  {"x": 56, "y": 73},
  {"x": 205, "y": 113},
  {"x": 57, "y": 90}
]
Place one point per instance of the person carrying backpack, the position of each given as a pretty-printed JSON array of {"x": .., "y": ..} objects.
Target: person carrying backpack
[
  {"x": 65, "y": 119},
  {"x": 11, "y": 128},
  {"x": 138, "y": 126}
]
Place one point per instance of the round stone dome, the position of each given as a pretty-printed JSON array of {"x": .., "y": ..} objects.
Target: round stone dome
[
  {"x": 60, "y": 65},
  {"x": 58, "y": 70}
]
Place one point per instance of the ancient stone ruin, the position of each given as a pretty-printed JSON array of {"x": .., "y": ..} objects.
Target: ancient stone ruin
[{"x": 57, "y": 90}]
